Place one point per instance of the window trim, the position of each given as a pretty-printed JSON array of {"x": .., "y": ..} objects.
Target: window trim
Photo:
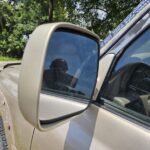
[
  {"x": 122, "y": 51},
  {"x": 120, "y": 54},
  {"x": 124, "y": 113},
  {"x": 105, "y": 104}
]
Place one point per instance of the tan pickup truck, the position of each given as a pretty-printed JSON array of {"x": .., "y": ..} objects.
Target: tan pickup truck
[{"x": 73, "y": 93}]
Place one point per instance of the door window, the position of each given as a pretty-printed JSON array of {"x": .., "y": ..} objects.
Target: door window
[{"x": 129, "y": 83}]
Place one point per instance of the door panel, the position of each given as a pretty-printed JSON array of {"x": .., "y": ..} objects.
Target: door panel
[
  {"x": 113, "y": 132},
  {"x": 98, "y": 128},
  {"x": 95, "y": 129},
  {"x": 76, "y": 134},
  {"x": 50, "y": 140}
]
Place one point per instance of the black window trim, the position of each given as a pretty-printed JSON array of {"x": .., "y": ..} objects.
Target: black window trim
[
  {"x": 105, "y": 104},
  {"x": 111, "y": 107}
]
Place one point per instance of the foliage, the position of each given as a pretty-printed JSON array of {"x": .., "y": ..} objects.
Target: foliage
[
  {"x": 17, "y": 21},
  {"x": 4, "y": 58},
  {"x": 18, "y": 18},
  {"x": 101, "y": 16}
]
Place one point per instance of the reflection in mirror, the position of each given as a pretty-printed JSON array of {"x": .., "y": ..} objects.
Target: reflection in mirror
[{"x": 70, "y": 73}]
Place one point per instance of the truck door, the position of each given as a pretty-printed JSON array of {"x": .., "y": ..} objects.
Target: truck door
[{"x": 120, "y": 117}]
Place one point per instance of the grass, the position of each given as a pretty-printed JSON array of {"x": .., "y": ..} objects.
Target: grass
[{"x": 4, "y": 58}]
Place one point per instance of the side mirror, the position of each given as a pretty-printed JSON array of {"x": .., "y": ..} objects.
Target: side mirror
[{"x": 58, "y": 74}]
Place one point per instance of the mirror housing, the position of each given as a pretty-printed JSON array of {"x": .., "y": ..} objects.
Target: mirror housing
[{"x": 31, "y": 74}]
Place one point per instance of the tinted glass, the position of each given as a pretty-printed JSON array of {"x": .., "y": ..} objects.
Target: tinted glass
[
  {"x": 71, "y": 64},
  {"x": 129, "y": 83}
]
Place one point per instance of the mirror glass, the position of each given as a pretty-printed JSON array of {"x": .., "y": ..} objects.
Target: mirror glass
[{"x": 69, "y": 75}]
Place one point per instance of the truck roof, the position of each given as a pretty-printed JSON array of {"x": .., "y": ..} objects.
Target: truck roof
[{"x": 124, "y": 25}]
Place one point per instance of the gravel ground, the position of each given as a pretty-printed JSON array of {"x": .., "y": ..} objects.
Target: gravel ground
[{"x": 3, "y": 142}]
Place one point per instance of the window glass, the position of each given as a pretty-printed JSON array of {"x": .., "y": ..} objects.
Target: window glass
[
  {"x": 129, "y": 83},
  {"x": 71, "y": 64}
]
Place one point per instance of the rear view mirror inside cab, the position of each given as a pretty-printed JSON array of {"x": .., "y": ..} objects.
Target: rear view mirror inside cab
[{"x": 64, "y": 76}]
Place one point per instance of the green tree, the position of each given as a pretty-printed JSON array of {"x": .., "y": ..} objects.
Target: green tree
[
  {"x": 18, "y": 18},
  {"x": 101, "y": 16},
  {"x": 17, "y": 21}
]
